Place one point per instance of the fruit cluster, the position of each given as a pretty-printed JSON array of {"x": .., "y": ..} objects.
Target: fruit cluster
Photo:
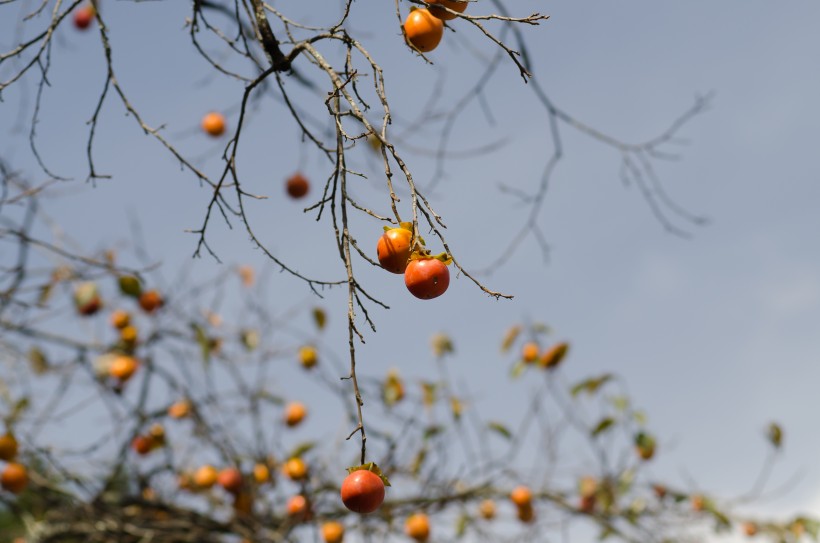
[
  {"x": 426, "y": 276},
  {"x": 424, "y": 28}
]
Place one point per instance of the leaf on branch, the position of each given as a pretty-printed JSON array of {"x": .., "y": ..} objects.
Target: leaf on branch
[
  {"x": 591, "y": 385},
  {"x": 38, "y": 361},
  {"x": 500, "y": 429},
  {"x": 442, "y": 344},
  {"x": 319, "y": 318},
  {"x": 302, "y": 449},
  {"x": 775, "y": 435},
  {"x": 602, "y": 426},
  {"x": 517, "y": 369},
  {"x": 461, "y": 524},
  {"x": 203, "y": 341},
  {"x": 509, "y": 338},
  {"x": 130, "y": 286},
  {"x": 432, "y": 431}
]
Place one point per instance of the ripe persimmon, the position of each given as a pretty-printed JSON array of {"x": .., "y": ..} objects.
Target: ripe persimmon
[
  {"x": 529, "y": 353},
  {"x": 487, "y": 509},
  {"x": 393, "y": 249},
  {"x": 297, "y": 185},
  {"x": 426, "y": 278},
  {"x": 180, "y": 409},
  {"x": 521, "y": 496},
  {"x": 14, "y": 477},
  {"x": 261, "y": 473},
  {"x": 295, "y": 469},
  {"x": 83, "y": 16},
  {"x": 295, "y": 412},
  {"x": 308, "y": 356},
  {"x": 123, "y": 367},
  {"x": 298, "y": 507},
  {"x": 423, "y": 31},
  {"x": 120, "y": 319},
  {"x": 8, "y": 447},
  {"x": 87, "y": 299},
  {"x": 206, "y": 476},
  {"x": 230, "y": 479},
  {"x": 151, "y": 300},
  {"x": 142, "y": 445},
  {"x": 213, "y": 124},
  {"x": 333, "y": 532},
  {"x": 362, "y": 491},
  {"x": 443, "y": 14},
  {"x": 417, "y": 526}
]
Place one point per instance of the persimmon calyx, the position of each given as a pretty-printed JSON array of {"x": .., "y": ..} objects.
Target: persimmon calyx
[
  {"x": 405, "y": 226},
  {"x": 370, "y": 466},
  {"x": 444, "y": 258}
]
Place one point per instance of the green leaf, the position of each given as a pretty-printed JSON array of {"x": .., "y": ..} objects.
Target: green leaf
[
  {"x": 602, "y": 426},
  {"x": 517, "y": 369},
  {"x": 432, "y": 431},
  {"x": 319, "y": 318},
  {"x": 203, "y": 341},
  {"x": 591, "y": 385},
  {"x": 500, "y": 429},
  {"x": 249, "y": 338},
  {"x": 130, "y": 286},
  {"x": 461, "y": 524},
  {"x": 775, "y": 435},
  {"x": 301, "y": 449}
]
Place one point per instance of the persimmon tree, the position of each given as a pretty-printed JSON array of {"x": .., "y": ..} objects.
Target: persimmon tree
[{"x": 178, "y": 423}]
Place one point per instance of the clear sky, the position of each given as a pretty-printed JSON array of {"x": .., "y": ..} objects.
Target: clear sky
[{"x": 716, "y": 335}]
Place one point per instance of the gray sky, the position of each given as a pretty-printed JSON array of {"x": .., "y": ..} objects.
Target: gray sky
[{"x": 715, "y": 335}]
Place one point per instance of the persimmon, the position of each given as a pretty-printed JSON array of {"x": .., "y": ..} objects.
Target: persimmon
[
  {"x": 123, "y": 367},
  {"x": 142, "y": 445},
  {"x": 261, "y": 473},
  {"x": 8, "y": 447},
  {"x": 426, "y": 278},
  {"x": 417, "y": 526},
  {"x": 750, "y": 529},
  {"x": 443, "y": 14},
  {"x": 362, "y": 491},
  {"x": 521, "y": 496},
  {"x": 308, "y": 356},
  {"x": 129, "y": 335},
  {"x": 295, "y": 469},
  {"x": 83, "y": 16},
  {"x": 180, "y": 409},
  {"x": 333, "y": 532},
  {"x": 297, "y": 185},
  {"x": 206, "y": 476},
  {"x": 698, "y": 503},
  {"x": 14, "y": 477},
  {"x": 87, "y": 299},
  {"x": 298, "y": 507},
  {"x": 120, "y": 319},
  {"x": 295, "y": 413},
  {"x": 529, "y": 353},
  {"x": 230, "y": 479},
  {"x": 213, "y": 124},
  {"x": 393, "y": 249},
  {"x": 423, "y": 31},
  {"x": 487, "y": 509},
  {"x": 151, "y": 300}
]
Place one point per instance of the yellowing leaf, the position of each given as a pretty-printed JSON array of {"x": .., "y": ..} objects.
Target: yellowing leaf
[
  {"x": 509, "y": 338},
  {"x": 319, "y": 318},
  {"x": 500, "y": 429},
  {"x": 602, "y": 426}
]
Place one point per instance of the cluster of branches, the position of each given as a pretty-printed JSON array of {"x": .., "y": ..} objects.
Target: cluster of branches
[
  {"x": 340, "y": 88},
  {"x": 210, "y": 389}
]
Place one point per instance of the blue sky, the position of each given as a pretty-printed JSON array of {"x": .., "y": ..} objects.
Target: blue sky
[{"x": 716, "y": 335}]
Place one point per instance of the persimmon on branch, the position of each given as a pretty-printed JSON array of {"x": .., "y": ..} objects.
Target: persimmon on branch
[{"x": 196, "y": 440}]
